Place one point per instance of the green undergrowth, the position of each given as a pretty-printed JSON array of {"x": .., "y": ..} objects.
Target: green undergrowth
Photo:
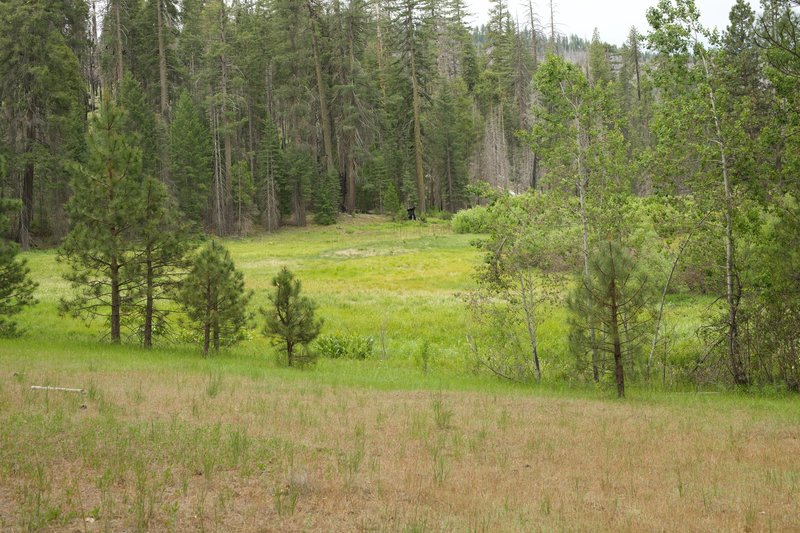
[{"x": 400, "y": 284}]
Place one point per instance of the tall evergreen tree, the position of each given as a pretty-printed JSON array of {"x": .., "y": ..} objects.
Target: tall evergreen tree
[
  {"x": 412, "y": 39},
  {"x": 271, "y": 188},
  {"x": 140, "y": 123},
  {"x": 161, "y": 242},
  {"x": 190, "y": 160},
  {"x": 104, "y": 212},
  {"x": 41, "y": 92}
]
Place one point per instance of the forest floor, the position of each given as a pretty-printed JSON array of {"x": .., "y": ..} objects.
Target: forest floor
[{"x": 169, "y": 441}]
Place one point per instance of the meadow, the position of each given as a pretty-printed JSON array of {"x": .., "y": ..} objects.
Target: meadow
[{"x": 167, "y": 440}]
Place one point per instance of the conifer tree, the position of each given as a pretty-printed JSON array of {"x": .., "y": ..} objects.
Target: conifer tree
[
  {"x": 272, "y": 196},
  {"x": 105, "y": 212},
  {"x": 328, "y": 199},
  {"x": 161, "y": 241},
  {"x": 41, "y": 97},
  {"x": 214, "y": 298},
  {"x": 190, "y": 159},
  {"x": 412, "y": 41},
  {"x": 613, "y": 300},
  {"x": 16, "y": 286},
  {"x": 290, "y": 319},
  {"x": 140, "y": 123}
]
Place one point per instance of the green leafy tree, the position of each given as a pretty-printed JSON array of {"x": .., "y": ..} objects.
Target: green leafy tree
[
  {"x": 16, "y": 287},
  {"x": 698, "y": 121},
  {"x": 214, "y": 298},
  {"x": 525, "y": 250},
  {"x": 581, "y": 146},
  {"x": 290, "y": 319},
  {"x": 105, "y": 214}
]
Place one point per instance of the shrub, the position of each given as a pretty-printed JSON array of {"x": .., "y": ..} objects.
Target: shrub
[
  {"x": 339, "y": 346},
  {"x": 475, "y": 220}
]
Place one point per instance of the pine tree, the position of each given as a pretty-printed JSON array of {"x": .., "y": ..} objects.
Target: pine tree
[
  {"x": 140, "y": 123},
  {"x": 105, "y": 212},
  {"x": 41, "y": 98},
  {"x": 328, "y": 199},
  {"x": 290, "y": 320},
  {"x": 190, "y": 159},
  {"x": 412, "y": 41},
  {"x": 16, "y": 287},
  {"x": 272, "y": 196},
  {"x": 614, "y": 300},
  {"x": 214, "y": 298},
  {"x": 161, "y": 242}
]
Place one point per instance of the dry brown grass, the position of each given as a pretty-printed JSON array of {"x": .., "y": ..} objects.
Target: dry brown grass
[{"x": 165, "y": 451}]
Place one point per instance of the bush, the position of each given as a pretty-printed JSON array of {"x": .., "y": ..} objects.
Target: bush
[
  {"x": 345, "y": 346},
  {"x": 475, "y": 220}
]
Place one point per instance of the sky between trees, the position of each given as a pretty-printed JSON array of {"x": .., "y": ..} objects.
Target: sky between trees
[{"x": 614, "y": 18}]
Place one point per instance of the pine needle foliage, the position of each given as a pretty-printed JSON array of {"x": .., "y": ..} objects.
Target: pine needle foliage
[
  {"x": 214, "y": 298},
  {"x": 290, "y": 320},
  {"x": 615, "y": 299}
]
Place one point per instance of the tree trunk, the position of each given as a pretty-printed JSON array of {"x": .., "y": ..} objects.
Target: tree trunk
[
  {"x": 733, "y": 291},
  {"x": 207, "y": 321},
  {"x": 94, "y": 78},
  {"x": 118, "y": 71},
  {"x": 218, "y": 193},
  {"x": 350, "y": 198},
  {"x": 26, "y": 218},
  {"x": 325, "y": 119},
  {"x": 534, "y": 47},
  {"x": 115, "y": 300},
  {"x": 147, "y": 334},
  {"x": 450, "y": 202},
  {"x": 299, "y": 205},
  {"x": 289, "y": 353},
  {"x": 529, "y": 306},
  {"x": 227, "y": 142},
  {"x": 582, "y": 184},
  {"x": 619, "y": 369},
  {"x": 417, "y": 108},
  {"x": 162, "y": 60}
]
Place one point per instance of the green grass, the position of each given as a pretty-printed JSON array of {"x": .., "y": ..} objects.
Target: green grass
[
  {"x": 400, "y": 283},
  {"x": 167, "y": 440}
]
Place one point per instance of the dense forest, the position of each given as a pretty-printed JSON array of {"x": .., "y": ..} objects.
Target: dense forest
[{"x": 670, "y": 162}]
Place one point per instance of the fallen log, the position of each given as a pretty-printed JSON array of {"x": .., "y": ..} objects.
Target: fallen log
[{"x": 59, "y": 389}]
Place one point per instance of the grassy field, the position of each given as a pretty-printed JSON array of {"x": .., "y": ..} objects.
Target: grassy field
[{"x": 168, "y": 441}]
